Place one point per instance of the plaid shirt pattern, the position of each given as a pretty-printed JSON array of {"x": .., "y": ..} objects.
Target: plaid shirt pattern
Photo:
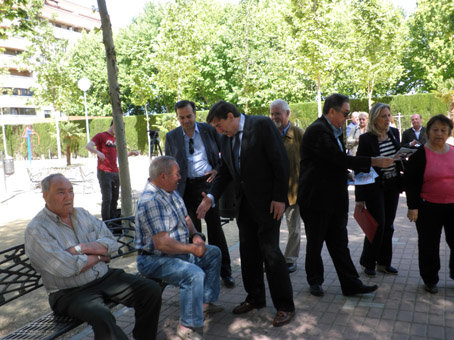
[{"x": 157, "y": 211}]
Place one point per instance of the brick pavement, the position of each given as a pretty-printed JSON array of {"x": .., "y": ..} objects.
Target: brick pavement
[{"x": 399, "y": 309}]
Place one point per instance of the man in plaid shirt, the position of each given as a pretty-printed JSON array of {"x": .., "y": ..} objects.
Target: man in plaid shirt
[{"x": 163, "y": 234}]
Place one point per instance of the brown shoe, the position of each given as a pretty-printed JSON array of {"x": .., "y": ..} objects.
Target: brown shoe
[
  {"x": 245, "y": 307},
  {"x": 282, "y": 318}
]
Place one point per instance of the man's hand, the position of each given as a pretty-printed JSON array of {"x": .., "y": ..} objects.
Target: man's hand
[
  {"x": 414, "y": 142},
  {"x": 133, "y": 153},
  {"x": 412, "y": 215},
  {"x": 360, "y": 205},
  {"x": 382, "y": 162},
  {"x": 101, "y": 156},
  {"x": 212, "y": 174},
  {"x": 204, "y": 206},
  {"x": 277, "y": 209},
  {"x": 198, "y": 248}
]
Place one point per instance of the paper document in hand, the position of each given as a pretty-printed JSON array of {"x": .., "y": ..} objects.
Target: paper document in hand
[
  {"x": 366, "y": 222},
  {"x": 404, "y": 153},
  {"x": 362, "y": 178}
]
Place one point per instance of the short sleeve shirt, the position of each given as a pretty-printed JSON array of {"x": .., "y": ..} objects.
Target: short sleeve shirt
[
  {"x": 158, "y": 211},
  {"x": 105, "y": 143}
]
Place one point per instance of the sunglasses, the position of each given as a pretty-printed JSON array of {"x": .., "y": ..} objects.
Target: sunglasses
[
  {"x": 346, "y": 113},
  {"x": 191, "y": 146}
]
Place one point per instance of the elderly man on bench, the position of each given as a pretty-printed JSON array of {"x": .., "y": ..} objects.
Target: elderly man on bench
[
  {"x": 163, "y": 231},
  {"x": 71, "y": 250}
]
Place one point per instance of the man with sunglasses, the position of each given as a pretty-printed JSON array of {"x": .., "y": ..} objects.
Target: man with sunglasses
[
  {"x": 323, "y": 196},
  {"x": 195, "y": 147}
]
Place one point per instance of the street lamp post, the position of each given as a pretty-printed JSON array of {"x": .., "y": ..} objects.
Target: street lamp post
[{"x": 84, "y": 84}]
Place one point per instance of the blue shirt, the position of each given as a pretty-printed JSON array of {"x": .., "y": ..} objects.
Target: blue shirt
[
  {"x": 157, "y": 211},
  {"x": 285, "y": 130},
  {"x": 198, "y": 164},
  {"x": 337, "y": 133}
]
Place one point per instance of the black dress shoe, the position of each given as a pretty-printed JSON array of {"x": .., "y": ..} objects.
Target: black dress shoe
[
  {"x": 363, "y": 289},
  {"x": 228, "y": 281},
  {"x": 387, "y": 269},
  {"x": 282, "y": 318},
  {"x": 291, "y": 267},
  {"x": 245, "y": 307},
  {"x": 317, "y": 290},
  {"x": 431, "y": 288}
]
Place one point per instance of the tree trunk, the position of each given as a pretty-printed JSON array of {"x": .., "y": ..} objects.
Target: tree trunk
[
  {"x": 68, "y": 155},
  {"x": 319, "y": 96},
  {"x": 114, "y": 92}
]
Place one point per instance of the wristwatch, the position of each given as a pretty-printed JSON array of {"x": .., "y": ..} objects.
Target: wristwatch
[
  {"x": 78, "y": 249},
  {"x": 198, "y": 234}
]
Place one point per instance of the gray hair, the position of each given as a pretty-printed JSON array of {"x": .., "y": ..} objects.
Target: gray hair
[
  {"x": 373, "y": 115},
  {"x": 363, "y": 114},
  {"x": 160, "y": 165},
  {"x": 280, "y": 103},
  {"x": 47, "y": 181}
]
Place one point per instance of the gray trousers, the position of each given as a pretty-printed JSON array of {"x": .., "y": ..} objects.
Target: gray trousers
[{"x": 293, "y": 219}]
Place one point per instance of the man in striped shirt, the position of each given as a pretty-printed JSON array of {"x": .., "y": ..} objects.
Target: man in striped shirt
[
  {"x": 163, "y": 232},
  {"x": 71, "y": 250}
]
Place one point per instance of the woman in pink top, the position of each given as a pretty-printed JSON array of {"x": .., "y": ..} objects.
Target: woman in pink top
[{"x": 429, "y": 180}]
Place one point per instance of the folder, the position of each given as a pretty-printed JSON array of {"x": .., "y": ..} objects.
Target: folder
[{"x": 366, "y": 222}]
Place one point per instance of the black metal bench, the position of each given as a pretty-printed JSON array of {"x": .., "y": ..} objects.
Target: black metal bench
[{"x": 18, "y": 278}]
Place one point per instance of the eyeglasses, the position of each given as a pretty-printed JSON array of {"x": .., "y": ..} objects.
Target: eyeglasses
[
  {"x": 191, "y": 146},
  {"x": 345, "y": 113}
]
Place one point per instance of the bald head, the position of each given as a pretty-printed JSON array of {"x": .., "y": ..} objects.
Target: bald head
[{"x": 416, "y": 121}]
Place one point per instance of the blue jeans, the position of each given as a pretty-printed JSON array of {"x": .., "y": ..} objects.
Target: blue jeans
[{"x": 197, "y": 277}]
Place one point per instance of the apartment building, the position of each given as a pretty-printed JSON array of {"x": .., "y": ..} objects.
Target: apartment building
[{"x": 68, "y": 19}]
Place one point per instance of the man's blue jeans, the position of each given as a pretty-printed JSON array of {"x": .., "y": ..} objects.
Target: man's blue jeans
[{"x": 197, "y": 277}]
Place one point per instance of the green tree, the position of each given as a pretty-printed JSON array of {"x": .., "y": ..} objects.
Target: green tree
[
  {"x": 48, "y": 59},
  {"x": 314, "y": 27},
  {"x": 19, "y": 17},
  {"x": 71, "y": 136},
  {"x": 445, "y": 93},
  {"x": 376, "y": 43},
  {"x": 428, "y": 60}
]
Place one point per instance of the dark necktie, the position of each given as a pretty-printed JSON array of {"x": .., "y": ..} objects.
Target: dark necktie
[
  {"x": 191, "y": 146},
  {"x": 236, "y": 151}
]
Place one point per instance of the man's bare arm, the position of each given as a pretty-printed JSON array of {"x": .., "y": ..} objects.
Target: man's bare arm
[{"x": 163, "y": 242}]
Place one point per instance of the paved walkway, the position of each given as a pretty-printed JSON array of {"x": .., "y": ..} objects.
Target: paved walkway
[{"x": 399, "y": 309}]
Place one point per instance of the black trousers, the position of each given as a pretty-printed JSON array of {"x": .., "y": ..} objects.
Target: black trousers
[
  {"x": 87, "y": 303},
  {"x": 259, "y": 243},
  {"x": 382, "y": 207},
  {"x": 432, "y": 218},
  {"x": 192, "y": 198},
  {"x": 331, "y": 228},
  {"x": 109, "y": 183}
]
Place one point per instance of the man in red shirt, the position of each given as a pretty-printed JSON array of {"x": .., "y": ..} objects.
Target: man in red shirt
[{"x": 108, "y": 178}]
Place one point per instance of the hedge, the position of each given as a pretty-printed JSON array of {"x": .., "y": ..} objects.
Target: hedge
[{"x": 427, "y": 105}]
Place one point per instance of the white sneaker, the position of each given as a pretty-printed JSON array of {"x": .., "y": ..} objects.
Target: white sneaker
[{"x": 189, "y": 334}]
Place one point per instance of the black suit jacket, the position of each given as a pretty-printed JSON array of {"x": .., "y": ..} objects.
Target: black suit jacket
[
  {"x": 368, "y": 146},
  {"x": 324, "y": 170},
  {"x": 264, "y": 168},
  {"x": 175, "y": 147},
  {"x": 409, "y": 135}
]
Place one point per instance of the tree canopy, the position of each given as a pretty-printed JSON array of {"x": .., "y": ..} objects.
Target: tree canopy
[{"x": 255, "y": 51}]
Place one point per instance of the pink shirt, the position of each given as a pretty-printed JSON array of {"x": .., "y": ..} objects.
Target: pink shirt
[{"x": 438, "y": 185}]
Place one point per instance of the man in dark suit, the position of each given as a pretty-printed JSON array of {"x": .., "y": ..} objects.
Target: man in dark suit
[
  {"x": 323, "y": 196},
  {"x": 414, "y": 135},
  {"x": 195, "y": 147},
  {"x": 254, "y": 156}
]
